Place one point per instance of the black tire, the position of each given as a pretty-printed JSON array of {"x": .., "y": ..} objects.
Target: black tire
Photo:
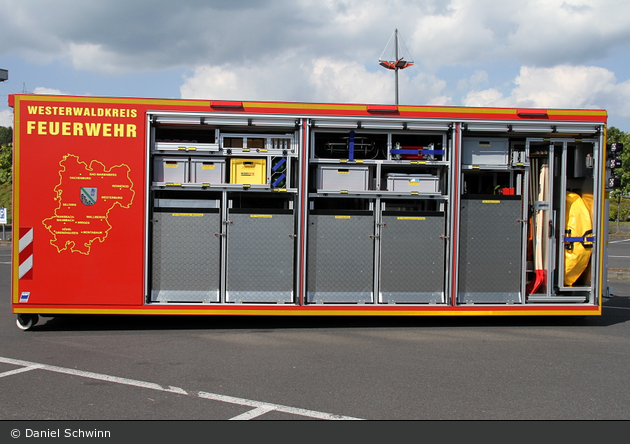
[{"x": 26, "y": 321}]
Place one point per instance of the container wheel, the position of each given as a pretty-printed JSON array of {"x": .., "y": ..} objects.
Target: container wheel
[{"x": 26, "y": 321}]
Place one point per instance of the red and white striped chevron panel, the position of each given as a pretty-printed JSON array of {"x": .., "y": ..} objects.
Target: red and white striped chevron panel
[{"x": 26, "y": 253}]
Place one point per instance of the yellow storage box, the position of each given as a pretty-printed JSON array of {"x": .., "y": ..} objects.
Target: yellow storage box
[{"x": 248, "y": 171}]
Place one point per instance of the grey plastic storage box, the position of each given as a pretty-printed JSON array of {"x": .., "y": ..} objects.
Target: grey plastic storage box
[
  {"x": 170, "y": 169},
  {"x": 343, "y": 178},
  {"x": 422, "y": 183},
  {"x": 210, "y": 171},
  {"x": 485, "y": 151}
]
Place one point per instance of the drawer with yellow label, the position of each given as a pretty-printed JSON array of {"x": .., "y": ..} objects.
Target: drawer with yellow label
[
  {"x": 170, "y": 170},
  {"x": 207, "y": 171},
  {"x": 342, "y": 178},
  {"x": 421, "y": 183}
]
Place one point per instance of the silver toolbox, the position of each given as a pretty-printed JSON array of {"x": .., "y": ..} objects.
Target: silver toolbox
[
  {"x": 485, "y": 151},
  {"x": 170, "y": 169},
  {"x": 347, "y": 177},
  {"x": 422, "y": 183},
  {"x": 204, "y": 170}
]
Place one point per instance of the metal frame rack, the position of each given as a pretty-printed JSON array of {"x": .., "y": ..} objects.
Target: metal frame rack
[
  {"x": 233, "y": 230},
  {"x": 381, "y": 214}
]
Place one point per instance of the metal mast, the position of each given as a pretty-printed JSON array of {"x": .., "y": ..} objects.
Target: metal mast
[
  {"x": 398, "y": 61},
  {"x": 396, "y": 58}
]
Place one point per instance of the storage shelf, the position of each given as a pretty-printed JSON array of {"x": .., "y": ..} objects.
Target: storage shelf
[
  {"x": 223, "y": 153},
  {"x": 257, "y": 152},
  {"x": 185, "y": 147},
  {"x": 381, "y": 162},
  {"x": 487, "y": 167},
  {"x": 381, "y": 193},
  {"x": 219, "y": 187}
]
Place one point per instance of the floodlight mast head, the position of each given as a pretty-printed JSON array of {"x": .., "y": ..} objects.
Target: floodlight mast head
[
  {"x": 398, "y": 61},
  {"x": 4, "y": 75}
]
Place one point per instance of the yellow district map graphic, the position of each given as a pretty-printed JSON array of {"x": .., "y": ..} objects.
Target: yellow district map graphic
[{"x": 86, "y": 195}]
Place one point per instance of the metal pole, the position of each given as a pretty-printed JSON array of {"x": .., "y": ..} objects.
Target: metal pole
[{"x": 396, "y": 62}]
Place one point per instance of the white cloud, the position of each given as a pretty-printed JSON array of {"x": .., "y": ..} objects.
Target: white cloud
[
  {"x": 115, "y": 37},
  {"x": 333, "y": 80},
  {"x": 267, "y": 82},
  {"x": 478, "y": 78},
  {"x": 424, "y": 89},
  {"x": 555, "y": 32},
  {"x": 92, "y": 57},
  {"x": 321, "y": 80},
  {"x": 536, "y": 32},
  {"x": 560, "y": 87},
  {"x": 6, "y": 118},
  {"x": 327, "y": 50},
  {"x": 487, "y": 97},
  {"x": 47, "y": 91}
]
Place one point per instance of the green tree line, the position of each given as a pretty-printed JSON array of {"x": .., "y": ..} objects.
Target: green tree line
[{"x": 619, "y": 201}]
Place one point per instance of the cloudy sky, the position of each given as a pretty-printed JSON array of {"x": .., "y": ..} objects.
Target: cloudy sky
[{"x": 520, "y": 53}]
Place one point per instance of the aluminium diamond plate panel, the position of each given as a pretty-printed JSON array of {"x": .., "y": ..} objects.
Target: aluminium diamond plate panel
[
  {"x": 260, "y": 256},
  {"x": 490, "y": 250},
  {"x": 340, "y": 258},
  {"x": 186, "y": 256},
  {"x": 412, "y": 258}
]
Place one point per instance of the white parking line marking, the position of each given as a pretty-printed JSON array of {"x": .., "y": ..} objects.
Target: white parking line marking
[
  {"x": 260, "y": 408},
  {"x": 252, "y": 414},
  {"x": 620, "y": 308},
  {"x": 619, "y": 241},
  {"x": 277, "y": 407},
  {"x": 20, "y": 370}
]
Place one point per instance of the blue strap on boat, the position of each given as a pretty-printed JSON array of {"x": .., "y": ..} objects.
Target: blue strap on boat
[
  {"x": 580, "y": 239},
  {"x": 586, "y": 241}
]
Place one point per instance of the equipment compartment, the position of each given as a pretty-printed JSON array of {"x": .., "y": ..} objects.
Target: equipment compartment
[
  {"x": 490, "y": 249},
  {"x": 412, "y": 256},
  {"x": 186, "y": 254},
  {"x": 346, "y": 178},
  {"x": 248, "y": 171},
  {"x": 350, "y": 145},
  {"x": 340, "y": 256},
  {"x": 182, "y": 138},
  {"x": 425, "y": 147},
  {"x": 421, "y": 183},
  {"x": 204, "y": 170},
  {"x": 171, "y": 170},
  {"x": 485, "y": 151}
]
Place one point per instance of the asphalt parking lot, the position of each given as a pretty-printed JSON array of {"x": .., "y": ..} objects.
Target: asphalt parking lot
[{"x": 178, "y": 368}]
